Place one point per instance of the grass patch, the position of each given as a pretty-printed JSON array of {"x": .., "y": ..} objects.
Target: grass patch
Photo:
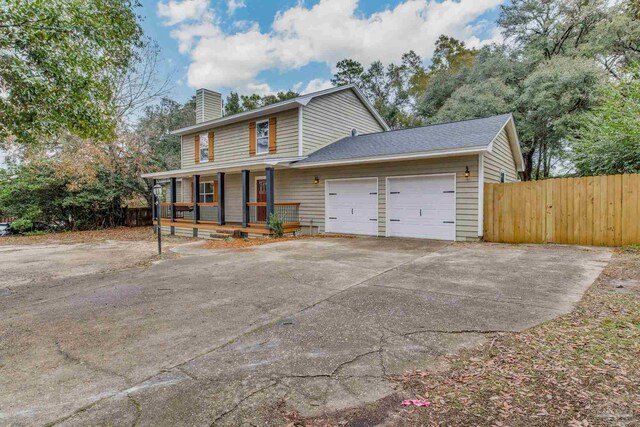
[{"x": 582, "y": 369}]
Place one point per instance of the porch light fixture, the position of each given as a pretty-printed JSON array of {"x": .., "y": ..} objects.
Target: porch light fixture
[
  {"x": 157, "y": 191},
  {"x": 316, "y": 180},
  {"x": 467, "y": 174}
]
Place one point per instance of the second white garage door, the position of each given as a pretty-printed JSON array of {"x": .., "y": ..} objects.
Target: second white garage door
[
  {"x": 352, "y": 206},
  {"x": 422, "y": 206}
]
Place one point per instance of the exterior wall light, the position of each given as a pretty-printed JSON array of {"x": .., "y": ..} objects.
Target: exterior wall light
[
  {"x": 316, "y": 180},
  {"x": 467, "y": 174}
]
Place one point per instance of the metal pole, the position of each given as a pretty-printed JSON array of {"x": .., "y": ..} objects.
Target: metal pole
[{"x": 159, "y": 227}]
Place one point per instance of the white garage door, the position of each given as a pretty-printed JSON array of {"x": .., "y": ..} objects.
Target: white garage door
[
  {"x": 352, "y": 206},
  {"x": 422, "y": 206}
]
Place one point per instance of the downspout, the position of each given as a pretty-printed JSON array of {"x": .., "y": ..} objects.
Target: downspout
[
  {"x": 300, "y": 126},
  {"x": 481, "y": 195}
]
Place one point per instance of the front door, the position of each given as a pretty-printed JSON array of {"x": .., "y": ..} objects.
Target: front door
[{"x": 261, "y": 196}]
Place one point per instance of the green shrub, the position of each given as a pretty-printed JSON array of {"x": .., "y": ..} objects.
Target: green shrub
[
  {"x": 275, "y": 225},
  {"x": 21, "y": 225}
]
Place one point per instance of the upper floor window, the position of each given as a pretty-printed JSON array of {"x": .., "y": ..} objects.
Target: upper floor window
[
  {"x": 204, "y": 147},
  {"x": 262, "y": 137}
]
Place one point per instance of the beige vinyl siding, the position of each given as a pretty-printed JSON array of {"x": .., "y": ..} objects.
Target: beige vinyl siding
[
  {"x": 233, "y": 197},
  {"x": 296, "y": 185},
  {"x": 500, "y": 158},
  {"x": 187, "y": 151},
  {"x": 209, "y": 106},
  {"x": 293, "y": 185},
  {"x": 231, "y": 143},
  {"x": 331, "y": 117}
]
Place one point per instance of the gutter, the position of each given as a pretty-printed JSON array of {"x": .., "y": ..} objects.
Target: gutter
[
  {"x": 409, "y": 156},
  {"x": 223, "y": 167}
]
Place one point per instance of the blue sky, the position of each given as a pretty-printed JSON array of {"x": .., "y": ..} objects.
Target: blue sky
[{"x": 268, "y": 45}]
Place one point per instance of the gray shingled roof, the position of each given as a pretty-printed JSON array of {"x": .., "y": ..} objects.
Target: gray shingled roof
[{"x": 444, "y": 136}]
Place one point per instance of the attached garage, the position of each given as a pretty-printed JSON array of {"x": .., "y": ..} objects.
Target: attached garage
[
  {"x": 422, "y": 206},
  {"x": 352, "y": 206}
]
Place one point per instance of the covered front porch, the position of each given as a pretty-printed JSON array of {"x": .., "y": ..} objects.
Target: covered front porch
[{"x": 233, "y": 203}]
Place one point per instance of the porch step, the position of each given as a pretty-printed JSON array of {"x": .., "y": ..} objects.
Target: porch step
[
  {"x": 225, "y": 234},
  {"x": 219, "y": 236}
]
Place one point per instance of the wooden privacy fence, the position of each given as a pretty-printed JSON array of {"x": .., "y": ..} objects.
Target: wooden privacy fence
[
  {"x": 594, "y": 210},
  {"x": 137, "y": 217}
]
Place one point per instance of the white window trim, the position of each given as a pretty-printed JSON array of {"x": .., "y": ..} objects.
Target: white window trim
[
  {"x": 257, "y": 123},
  {"x": 204, "y": 159},
  {"x": 213, "y": 190}
]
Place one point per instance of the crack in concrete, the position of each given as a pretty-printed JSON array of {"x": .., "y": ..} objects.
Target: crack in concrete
[
  {"x": 246, "y": 333},
  {"x": 242, "y": 400},
  {"x": 76, "y": 412},
  {"x": 188, "y": 374},
  {"x": 138, "y": 408},
  {"x": 507, "y": 300},
  {"x": 73, "y": 359}
]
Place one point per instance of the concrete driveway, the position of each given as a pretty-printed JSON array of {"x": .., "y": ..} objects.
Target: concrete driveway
[{"x": 220, "y": 338}]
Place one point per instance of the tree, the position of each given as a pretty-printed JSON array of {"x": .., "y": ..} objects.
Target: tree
[
  {"x": 154, "y": 127},
  {"x": 237, "y": 104},
  {"x": 251, "y": 102},
  {"x": 349, "y": 72},
  {"x": 232, "y": 104},
  {"x": 279, "y": 97},
  {"x": 57, "y": 62},
  {"x": 450, "y": 55},
  {"x": 600, "y": 29},
  {"x": 608, "y": 138},
  {"x": 392, "y": 89}
]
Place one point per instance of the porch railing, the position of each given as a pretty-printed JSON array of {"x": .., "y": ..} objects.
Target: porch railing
[
  {"x": 184, "y": 211},
  {"x": 287, "y": 212}
]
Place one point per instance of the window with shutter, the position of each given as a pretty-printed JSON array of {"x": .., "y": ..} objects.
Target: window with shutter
[
  {"x": 211, "y": 146},
  {"x": 272, "y": 135},
  {"x": 262, "y": 137},
  {"x": 252, "y": 138}
]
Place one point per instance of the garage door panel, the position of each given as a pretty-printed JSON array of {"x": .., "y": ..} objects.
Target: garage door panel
[
  {"x": 422, "y": 206},
  {"x": 352, "y": 206}
]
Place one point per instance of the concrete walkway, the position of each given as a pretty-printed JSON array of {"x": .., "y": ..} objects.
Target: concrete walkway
[{"x": 222, "y": 337}]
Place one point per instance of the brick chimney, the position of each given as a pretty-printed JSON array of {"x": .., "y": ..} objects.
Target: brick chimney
[{"x": 208, "y": 105}]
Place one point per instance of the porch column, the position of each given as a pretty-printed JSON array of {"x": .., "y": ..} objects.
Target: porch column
[
  {"x": 173, "y": 201},
  {"x": 196, "y": 200},
  {"x": 270, "y": 173},
  {"x": 245, "y": 198},
  {"x": 221, "y": 198}
]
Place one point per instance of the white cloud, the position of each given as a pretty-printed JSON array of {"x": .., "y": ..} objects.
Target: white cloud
[
  {"x": 233, "y": 5},
  {"x": 496, "y": 37},
  {"x": 176, "y": 11},
  {"x": 326, "y": 32},
  {"x": 316, "y": 85},
  {"x": 259, "y": 88}
]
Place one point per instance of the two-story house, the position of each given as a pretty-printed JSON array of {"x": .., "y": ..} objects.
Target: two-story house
[{"x": 328, "y": 162}]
